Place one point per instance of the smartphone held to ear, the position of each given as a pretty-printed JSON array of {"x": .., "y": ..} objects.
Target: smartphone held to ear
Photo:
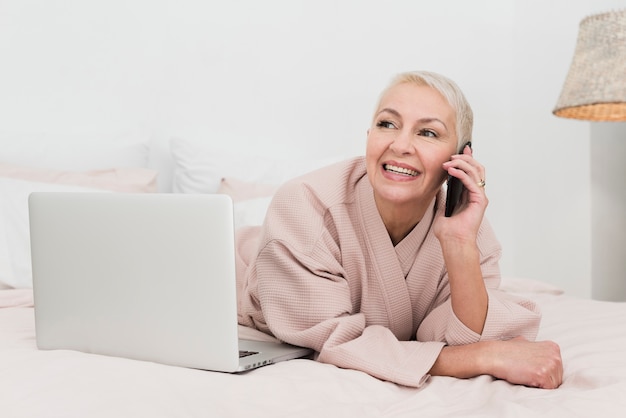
[{"x": 455, "y": 189}]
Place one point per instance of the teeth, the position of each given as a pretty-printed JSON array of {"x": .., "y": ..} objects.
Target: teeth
[{"x": 400, "y": 170}]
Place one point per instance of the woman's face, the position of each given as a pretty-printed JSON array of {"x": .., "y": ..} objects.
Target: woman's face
[{"x": 413, "y": 133}]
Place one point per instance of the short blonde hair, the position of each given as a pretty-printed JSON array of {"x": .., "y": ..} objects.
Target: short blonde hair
[{"x": 449, "y": 90}]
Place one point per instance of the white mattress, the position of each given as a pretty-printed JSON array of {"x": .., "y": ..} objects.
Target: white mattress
[{"x": 34, "y": 383}]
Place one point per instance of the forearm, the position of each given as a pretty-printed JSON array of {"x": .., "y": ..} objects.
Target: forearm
[
  {"x": 462, "y": 361},
  {"x": 468, "y": 294},
  {"x": 518, "y": 361}
]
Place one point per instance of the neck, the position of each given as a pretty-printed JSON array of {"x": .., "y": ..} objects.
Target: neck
[{"x": 400, "y": 220}]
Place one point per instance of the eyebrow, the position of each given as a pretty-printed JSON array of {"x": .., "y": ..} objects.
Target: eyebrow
[{"x": 421, "y": 120}]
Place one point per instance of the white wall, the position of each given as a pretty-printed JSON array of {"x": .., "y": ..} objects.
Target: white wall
[
  {"x": 551, "y": 160},
  {"x": 300, "y": 78}
]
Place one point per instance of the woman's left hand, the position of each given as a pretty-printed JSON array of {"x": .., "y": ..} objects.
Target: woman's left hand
[{"x": 468, "y": 215}]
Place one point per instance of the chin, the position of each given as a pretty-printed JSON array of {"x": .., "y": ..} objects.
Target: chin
[{"x": 395, "y": 196}]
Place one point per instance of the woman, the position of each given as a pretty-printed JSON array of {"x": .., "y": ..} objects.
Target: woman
[{"x": 358, "y": 261}]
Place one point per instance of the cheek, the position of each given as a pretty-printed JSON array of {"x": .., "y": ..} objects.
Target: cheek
[
  {"x": 372, "y": 149},
  {"x": 436, "y": 166},
  {"x": 373, "y": 152},
  {"x": 444, "y": 177},
  {"x": 371, "y": 159}
]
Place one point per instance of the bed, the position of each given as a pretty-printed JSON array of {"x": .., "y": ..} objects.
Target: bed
[{"x": 62, "y": 383}]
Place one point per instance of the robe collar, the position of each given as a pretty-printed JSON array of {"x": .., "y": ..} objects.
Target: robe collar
[{"x": 390, "y": 265}]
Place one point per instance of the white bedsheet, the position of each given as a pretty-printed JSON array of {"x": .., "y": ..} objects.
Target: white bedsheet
[{"x": 34, "y": 383}]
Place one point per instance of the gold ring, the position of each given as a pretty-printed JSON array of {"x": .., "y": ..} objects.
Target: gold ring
[{"x": 481, "y": 183}]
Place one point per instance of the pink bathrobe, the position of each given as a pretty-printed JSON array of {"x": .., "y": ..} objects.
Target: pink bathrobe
[{"x": 323, "y": 273}]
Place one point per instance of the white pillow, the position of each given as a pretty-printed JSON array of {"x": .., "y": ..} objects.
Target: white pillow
[
  {"x": 48, "y": 162},
  {"x": 199, "y": 168},
  {"x": 129, "y": 179},
  {"x": 15, "y": 268},
  {"x": 250, "y": 212},
  {"x": 250, "y": 200},
  {"x": 75, "y": 152}
]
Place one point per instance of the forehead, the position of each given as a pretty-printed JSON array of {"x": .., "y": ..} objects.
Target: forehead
[{"x": 411, "y": 99}]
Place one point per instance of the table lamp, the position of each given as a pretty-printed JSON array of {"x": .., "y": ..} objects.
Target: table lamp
[{"x": 595, "y": 87}]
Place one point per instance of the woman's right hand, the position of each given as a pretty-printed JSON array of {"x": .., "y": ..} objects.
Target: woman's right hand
[{"x": 518, "y": 361}]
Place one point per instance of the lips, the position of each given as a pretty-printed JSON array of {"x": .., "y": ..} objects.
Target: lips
[{"x": 400, "y": 170}]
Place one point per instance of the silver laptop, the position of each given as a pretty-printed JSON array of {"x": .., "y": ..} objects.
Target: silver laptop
[{"x": 142, "y": 276}]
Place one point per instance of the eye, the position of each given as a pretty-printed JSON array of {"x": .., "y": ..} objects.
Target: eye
[
  {"x": 428, "y": 133},
  {"x": 385, "y": 124}
]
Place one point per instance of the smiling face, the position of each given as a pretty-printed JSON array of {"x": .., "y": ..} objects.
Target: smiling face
[{"x": 413, "y": 133}]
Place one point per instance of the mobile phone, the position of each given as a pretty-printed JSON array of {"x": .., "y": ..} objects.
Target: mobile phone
[{"x": 455, "y": 189}]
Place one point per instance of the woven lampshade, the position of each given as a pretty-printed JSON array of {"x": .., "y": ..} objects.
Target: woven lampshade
[{"x": 595, "y": 87}]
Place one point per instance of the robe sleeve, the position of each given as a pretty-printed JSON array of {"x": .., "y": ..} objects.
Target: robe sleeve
[
  {"x": 508, "y": 316},
  {"x": 307, "y": 302}
]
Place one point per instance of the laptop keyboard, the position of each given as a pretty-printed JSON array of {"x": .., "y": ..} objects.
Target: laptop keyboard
[{"x": 244, "y": 353}]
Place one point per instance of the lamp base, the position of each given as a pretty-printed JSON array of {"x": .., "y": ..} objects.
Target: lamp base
[{"x": 608, "y": 211}]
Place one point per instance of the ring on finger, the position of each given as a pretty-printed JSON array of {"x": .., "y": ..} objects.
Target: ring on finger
[{"x": 481, "y": 183}]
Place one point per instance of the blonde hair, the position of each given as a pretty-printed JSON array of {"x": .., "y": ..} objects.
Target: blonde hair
[{"x": 449, "y": 90}]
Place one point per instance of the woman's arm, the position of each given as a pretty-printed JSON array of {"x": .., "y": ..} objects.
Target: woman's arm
[
  {"x": 468, "y": 294},
  {"x": 518, "y": 361},
  {"x": 458, "y": 237},
  {"x": 307, "y": 302}
]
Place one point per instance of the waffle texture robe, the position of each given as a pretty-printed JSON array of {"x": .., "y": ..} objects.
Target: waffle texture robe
[{"x": 323, "y": 273}]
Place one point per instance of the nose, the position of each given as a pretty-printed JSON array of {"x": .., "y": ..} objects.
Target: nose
[{"x": 403, "y": 143}]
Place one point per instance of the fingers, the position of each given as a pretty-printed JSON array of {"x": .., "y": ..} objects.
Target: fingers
[
  {"x": 555, "y": 365},
  {"x": 534, "y": 364},
  {"x": 549, "y": 367},
  {"x": 467, "y": 169}
]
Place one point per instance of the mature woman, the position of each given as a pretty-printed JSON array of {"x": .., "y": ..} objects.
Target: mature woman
[{"x": 358, "y": 261}]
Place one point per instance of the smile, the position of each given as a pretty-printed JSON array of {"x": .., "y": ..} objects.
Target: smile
[{"x": 400, "y": 170}]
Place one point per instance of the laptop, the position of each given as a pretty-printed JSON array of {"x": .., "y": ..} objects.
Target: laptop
[{"x": 142, "y": 276}]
